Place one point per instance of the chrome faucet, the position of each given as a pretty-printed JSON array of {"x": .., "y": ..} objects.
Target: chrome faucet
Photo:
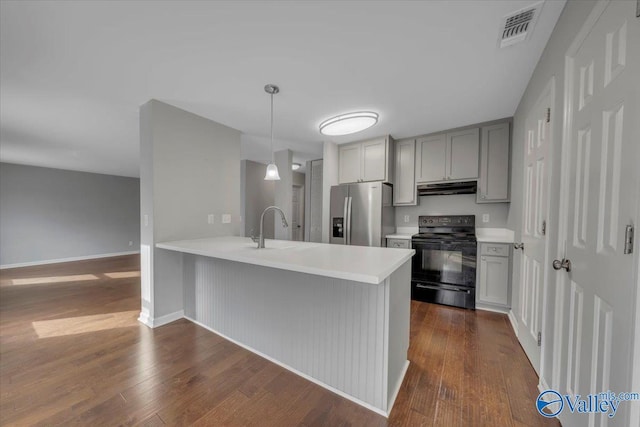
[{"x": 284, "y": 223}]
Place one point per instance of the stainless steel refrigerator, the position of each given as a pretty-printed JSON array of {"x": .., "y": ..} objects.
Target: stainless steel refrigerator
[{"x": 361, "y": 214}]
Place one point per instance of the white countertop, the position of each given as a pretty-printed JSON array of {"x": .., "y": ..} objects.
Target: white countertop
[
  {"x": 494, "y": 235},
  {"x": 357, "y": 263},
  {"x": 399, "y": 236},
  {"x": 403, "y": 233}
]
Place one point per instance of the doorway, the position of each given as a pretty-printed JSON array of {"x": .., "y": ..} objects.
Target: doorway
[{"x": 297, "y": 213}]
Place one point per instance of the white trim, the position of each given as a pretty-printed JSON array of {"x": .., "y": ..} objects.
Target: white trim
[
  {"x": 145, "y": 318},
  {"x": 56, "y": 261},
  {"x": 396, "y": 390},
  {"x": 295, "y": 371},
  {"x": 160, "y": 321},
  {"x": 514, "y": 321},
  {"x": 494, "y": 309}
]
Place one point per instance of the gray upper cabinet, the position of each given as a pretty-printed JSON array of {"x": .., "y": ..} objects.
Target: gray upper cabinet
[
  {"x": 404, "y": 183},
  {"x": 365, "y": 161},
  {"x": 493, "y": 184},
  {"x": 374, "y": 157},
  {"x": 350, "y": 163},
  {"x": 431, "y": 153},
  {"x": 463, "y": 149},
  {"x": 448, "y": 156}
]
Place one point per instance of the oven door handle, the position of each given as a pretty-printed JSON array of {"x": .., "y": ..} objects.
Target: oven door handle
[{"x": 440, "y": 288}]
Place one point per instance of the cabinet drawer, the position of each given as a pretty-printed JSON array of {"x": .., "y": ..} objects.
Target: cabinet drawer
[
  {"x": 495, "y": 249},
  {"x": 399, "y": 243}
]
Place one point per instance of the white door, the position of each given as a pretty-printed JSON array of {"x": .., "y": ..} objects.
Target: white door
[
  {"x": 297, "y": 213},
  {"x": 600, "y": 167},
  {"x": 535, "y": 213}
]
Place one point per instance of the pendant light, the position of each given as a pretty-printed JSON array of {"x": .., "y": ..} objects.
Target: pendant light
[{"x": 272, "y": 169}]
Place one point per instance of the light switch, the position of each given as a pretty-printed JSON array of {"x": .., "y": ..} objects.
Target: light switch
[
  {"x": 406, "y": 218},
  {"x": 485, "y": 217},
  {"x": 226, "y": 218},
  {"x": 145, "y": 220},
  {"x": 211, "y": 219}
]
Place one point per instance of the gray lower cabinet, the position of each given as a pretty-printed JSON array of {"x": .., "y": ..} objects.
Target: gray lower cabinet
[
  {"x": 404, "y": 183},
  {"x": 493, "y": 276},
  {"x": 495, "y": 155},
  {"x": 399, "y": 243}
]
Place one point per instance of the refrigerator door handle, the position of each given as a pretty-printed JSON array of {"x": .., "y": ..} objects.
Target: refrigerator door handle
[
  {"x": 348, "y": 221},
  {"x": 345, "y": 222}
]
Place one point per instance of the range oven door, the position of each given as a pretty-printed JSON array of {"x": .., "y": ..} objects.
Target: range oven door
[{"x": 445, "y": 263}]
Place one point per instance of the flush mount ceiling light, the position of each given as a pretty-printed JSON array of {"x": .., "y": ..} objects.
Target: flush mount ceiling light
[
  {"x": 272, "y": 170},
  {"x": 295, "y": 166},
  {"x": 349, "y": 123}
]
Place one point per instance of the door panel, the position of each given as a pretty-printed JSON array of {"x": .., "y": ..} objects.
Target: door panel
[
  {"x": 366, "y": 214},
  {"x": 337, "y": 220},
  {"x": 601, "y": 171},
  {"x": 535, "y": 213}
]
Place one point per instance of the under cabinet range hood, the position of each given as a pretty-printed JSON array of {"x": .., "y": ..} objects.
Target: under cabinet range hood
[{"x": 465, "y": 187}]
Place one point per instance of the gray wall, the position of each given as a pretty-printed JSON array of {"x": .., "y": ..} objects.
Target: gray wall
[
  {"x": 457, "y": 204},
  {"x": 189, "y": 169},
  {"x": 53, "y": 214},
  {"x": 283, "y": 193},
  {"x": 551, "y": 64},
  {"x": 256, "y": 195}
]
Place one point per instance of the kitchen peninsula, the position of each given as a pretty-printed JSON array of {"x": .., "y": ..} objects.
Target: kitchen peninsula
[{"x": 336, "y": 315}]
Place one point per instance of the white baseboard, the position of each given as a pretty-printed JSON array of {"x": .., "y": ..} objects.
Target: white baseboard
[
  {"x": 159, "y": 321},
  {"x": 295, "y": 371},
  {"x": 514, "y": 322},
  {"x": 145, "y": 319},
  {"x": 56, "y": 261},
  {"x": 487, "y": 307}
]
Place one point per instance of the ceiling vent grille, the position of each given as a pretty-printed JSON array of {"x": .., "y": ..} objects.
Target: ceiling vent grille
[{"x": 517, "y": 26}]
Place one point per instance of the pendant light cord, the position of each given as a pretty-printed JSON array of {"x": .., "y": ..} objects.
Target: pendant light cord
[{"x": 273, "y": 155}]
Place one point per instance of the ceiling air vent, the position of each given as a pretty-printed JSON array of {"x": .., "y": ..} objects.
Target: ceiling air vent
[{"x": 517, "y": 26}]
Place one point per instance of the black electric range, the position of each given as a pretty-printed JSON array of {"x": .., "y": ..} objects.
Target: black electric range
[{"x": 443, "y": 269}]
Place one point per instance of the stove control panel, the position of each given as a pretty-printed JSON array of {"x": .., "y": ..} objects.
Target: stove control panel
[{"x": 447, "y": 221}]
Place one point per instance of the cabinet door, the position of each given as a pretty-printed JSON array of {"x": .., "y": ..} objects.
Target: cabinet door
[
  {"x": 398, "y": 243},
  {"x": 404, "y": 186},
  {"x": 349, "y": 163},
  {"x": 374, "y": 160},
  {"x": 431, "y": 158},
  {"x": 493, "y": 185},
  {"x": 494, "y": 280},
  {"x": 463, "y": 151}
]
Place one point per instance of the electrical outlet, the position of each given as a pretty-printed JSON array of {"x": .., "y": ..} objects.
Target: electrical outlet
[
  {"x": 211, "y": 219},
  {"x": 485, "y": 217},
  {"x": 406, "y": 218},
  {"x": 226, "y": 218},
  {"x": 130, "y": 243}
]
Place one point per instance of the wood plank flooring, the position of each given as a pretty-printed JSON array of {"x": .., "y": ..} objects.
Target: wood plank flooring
[{"x": 73, "y": 353}]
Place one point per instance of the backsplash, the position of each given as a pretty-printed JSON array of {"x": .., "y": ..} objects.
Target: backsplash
[{"x": 457, "y": 204}]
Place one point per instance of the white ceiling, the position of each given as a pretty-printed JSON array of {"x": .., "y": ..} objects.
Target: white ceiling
[{"x": 73, "y": 74}]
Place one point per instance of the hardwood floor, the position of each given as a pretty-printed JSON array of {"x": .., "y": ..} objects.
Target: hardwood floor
[{"x": 73, "y": 353}]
